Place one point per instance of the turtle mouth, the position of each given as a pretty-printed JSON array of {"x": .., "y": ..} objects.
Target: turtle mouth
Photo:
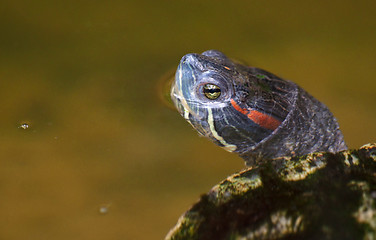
[
  {"x": 177, "y": 93},
  {"x": 179, "y": 101}
]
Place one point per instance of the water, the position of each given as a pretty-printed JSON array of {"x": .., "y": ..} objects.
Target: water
[{"x": 104, "y": 158}]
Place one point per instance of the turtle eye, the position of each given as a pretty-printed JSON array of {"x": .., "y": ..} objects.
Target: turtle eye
[{"x": 211, "y": 91}]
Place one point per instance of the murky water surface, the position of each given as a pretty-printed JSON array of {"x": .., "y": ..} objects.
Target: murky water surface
[{"x": 87, "y": 149}]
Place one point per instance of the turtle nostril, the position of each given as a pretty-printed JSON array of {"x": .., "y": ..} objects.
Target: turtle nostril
[
  {"x": 192, "y": 61},
  {"x": 189, "y": 58}
]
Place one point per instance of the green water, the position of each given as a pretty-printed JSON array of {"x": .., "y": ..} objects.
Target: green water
[{"x": 102, "y": 157}]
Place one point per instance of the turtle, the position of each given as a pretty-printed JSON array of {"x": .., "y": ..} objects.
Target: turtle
[
  {"x": 250, "y": 111},
  {"x": 300, "y": 181}
]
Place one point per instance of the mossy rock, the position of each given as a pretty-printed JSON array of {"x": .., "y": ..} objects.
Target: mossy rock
[{"x": 318, "y": 196}]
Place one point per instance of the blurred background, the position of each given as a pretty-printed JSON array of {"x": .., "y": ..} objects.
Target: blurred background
[{"x": 89, "y": 151}]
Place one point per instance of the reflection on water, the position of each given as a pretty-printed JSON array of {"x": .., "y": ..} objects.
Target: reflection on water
[
  {"x": 89, "y": 152},
  {"x": 164, "y": 88}
]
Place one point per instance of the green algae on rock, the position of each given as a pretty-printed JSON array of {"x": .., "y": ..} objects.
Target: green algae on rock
[{"x": 317, "y": 196}]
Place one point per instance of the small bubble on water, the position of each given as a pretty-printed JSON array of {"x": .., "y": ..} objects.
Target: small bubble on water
[
  {"x": 24, "y": 126},
  {"x": 103, "y": 209}
]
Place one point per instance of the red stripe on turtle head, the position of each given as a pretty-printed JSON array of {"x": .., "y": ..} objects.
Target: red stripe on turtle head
[
  {"x": 238, "y": 108},
  {"x": 262, "y": 119}
]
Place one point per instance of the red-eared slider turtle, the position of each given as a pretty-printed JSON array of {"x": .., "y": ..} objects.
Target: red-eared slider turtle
[
  {"x": 302, "y": 183},
  {"x": 250, "y": 111}
]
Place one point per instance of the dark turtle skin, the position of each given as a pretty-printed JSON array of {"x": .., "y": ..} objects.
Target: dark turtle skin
[{"x": 250, "y": 111}]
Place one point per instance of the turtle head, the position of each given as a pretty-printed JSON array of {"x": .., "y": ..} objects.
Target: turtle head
[
  {"x": 226, "y": 102},
  {"x": 250, "y": 111}
]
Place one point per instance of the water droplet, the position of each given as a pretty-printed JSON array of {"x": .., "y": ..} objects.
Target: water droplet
[{"x": 24, "y": 126}]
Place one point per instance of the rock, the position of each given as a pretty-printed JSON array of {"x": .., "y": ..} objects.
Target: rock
[{"x": 317, "y": 196}]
